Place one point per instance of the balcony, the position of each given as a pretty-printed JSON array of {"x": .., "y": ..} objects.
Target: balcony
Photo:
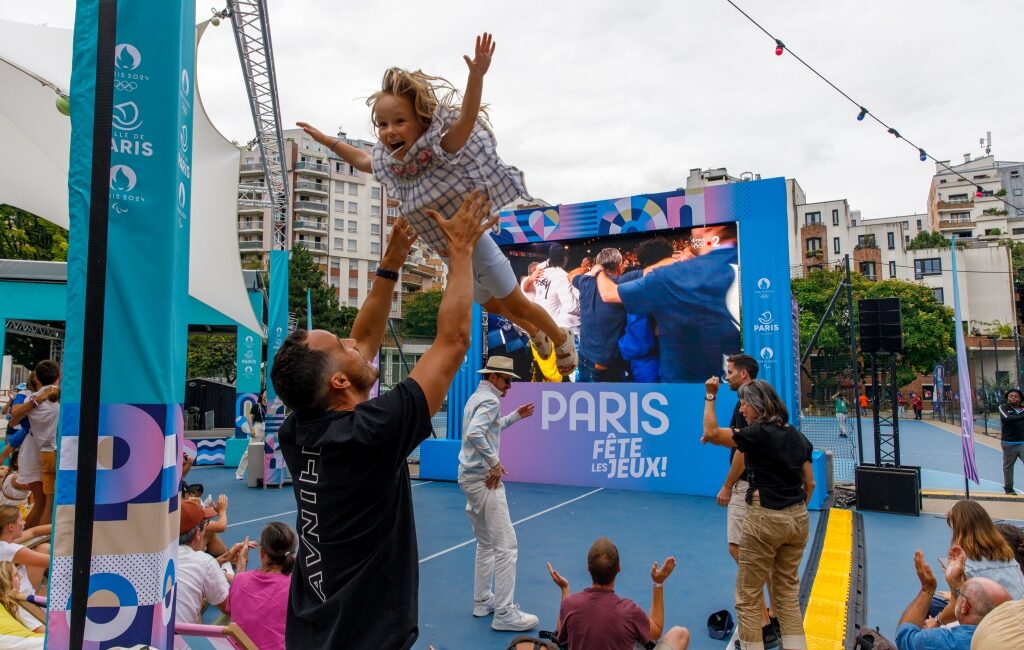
[
  {"x": 311, "y": 206},
  {"x": 958, "y": 204},
  {"x": 312, "y": 246},
  {"x": 247, "y": 225},
  {"x": 308, "y": 167},
  {"x": 956, "y": 225},
  {"x": 251, "y": 209},
  {"x": 251, "y": 168},
  {"x": 309, "y": 186},
  {"x": 250, "y": 245},
  {"x": 312, "y": 226}
]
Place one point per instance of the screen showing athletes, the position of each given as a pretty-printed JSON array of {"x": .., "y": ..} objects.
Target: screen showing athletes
[{"x": 645, "y": 307}]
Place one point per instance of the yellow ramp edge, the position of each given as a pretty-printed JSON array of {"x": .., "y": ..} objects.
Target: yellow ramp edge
[{"x": 825, "y": 618}]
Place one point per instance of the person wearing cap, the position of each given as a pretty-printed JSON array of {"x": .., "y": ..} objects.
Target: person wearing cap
[
  {"x": 199, "y": 575},
  {"x": 480, "y": 472}
]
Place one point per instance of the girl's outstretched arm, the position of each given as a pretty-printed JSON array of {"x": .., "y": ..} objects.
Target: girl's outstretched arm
[
  {"x": 352, "y": 155},
  {"x": 458, "y": 135}
]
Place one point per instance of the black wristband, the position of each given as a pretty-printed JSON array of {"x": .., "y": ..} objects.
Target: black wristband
[{"x": 387, "y": 275}]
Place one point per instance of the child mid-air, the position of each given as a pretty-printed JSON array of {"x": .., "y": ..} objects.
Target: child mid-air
[{"x": 430, "y": 153}]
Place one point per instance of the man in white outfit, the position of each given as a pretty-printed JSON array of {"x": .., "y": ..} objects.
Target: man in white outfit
[{"x": 480, "y": 473}]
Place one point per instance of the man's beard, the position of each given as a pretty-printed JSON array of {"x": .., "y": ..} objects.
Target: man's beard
[{"x": 365, "y": 380}]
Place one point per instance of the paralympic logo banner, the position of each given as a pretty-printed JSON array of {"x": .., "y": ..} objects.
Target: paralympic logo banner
[
  {"x": 622, "y": 436},
  {"x": 248, "y": 369},
  {"x": 139, "y": 433}
]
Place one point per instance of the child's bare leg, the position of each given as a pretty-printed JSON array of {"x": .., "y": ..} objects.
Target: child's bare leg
[
  {"x": 495, "y": 306},
  {"x": 529, "y": 315}
]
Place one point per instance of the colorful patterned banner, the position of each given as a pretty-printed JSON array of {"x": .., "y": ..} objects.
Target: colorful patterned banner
[{"x": 140, "y": 381}]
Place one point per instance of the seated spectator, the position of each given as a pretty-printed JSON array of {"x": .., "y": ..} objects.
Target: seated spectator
[
  {"x": 598, "y": 619},
  {"x": 13, "y": 534},
  {"x": 10, "y": 593},
  {"x": 1014, "y": 536},
  {"x": 974, "y": 598},
  {"x": 988, "y": 554},
  {"x": 14, "y": 493},
  {"x": 1003, "y": 628},
  {"x": 200, "y": 578},
  {"x": 258, "y": 600}
]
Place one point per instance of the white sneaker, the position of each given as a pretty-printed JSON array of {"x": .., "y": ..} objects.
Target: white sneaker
[
  {"x": 485, "y": 608},
  {"x": 514, "y": 620}
]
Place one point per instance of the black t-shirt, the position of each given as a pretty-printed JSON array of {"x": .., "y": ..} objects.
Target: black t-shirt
[
  {"x": 356, "y": 577},
  {"x": 775, "y": 457},
  {"x": 737, "y": 422}
]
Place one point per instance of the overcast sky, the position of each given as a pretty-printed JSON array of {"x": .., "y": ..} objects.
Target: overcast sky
[{"x": 596, "y": 99}]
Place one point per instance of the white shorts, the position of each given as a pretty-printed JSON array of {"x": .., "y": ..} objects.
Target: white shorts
[
  {"x": 492, "y": 272},
  {"x": 28, "y": 461}
]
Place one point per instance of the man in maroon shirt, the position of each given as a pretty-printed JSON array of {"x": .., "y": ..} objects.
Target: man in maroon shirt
[{"x": 597, "y": 619}]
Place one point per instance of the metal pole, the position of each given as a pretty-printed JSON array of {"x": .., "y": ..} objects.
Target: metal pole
[
  {"x": 854, "y": 374},
  {"x": 1016, "y": 349},
  {"x": 995, "y": 348},
  {"x": 874, "y": 409},
  {"x": 984, "y": 401},
  {"x": 895, "y": 415}
]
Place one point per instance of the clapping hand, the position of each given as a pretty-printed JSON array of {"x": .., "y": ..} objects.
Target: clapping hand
[
  {"x": 481, "y": 60},
  {"x": 924, "y": 573},
  {"x": 955, "y": 566}
]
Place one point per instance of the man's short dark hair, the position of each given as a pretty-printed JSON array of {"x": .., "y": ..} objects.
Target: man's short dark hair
[
  {"x": 300, "y": 374},
  {"x": 653, "y": 251},
  {"x": 603, "y": 561},
  {"x": 745, "y": 362},
  {"x": 47, "y": 372},
  {"x": 557, "y": 255}
]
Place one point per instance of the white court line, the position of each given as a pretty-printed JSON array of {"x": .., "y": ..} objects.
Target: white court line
[
  {"x": 249, "y": 521},
  {"x": 514, "y": 524}
]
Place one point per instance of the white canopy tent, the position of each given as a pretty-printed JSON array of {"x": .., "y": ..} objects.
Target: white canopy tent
[{"x": 34, "y": 149}]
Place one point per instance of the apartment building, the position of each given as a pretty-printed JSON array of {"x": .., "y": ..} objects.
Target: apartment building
[
  {"x": 339, "y": 214},
  {"x": 975, "y": 207}
]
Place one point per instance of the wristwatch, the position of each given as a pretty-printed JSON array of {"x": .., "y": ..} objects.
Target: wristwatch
[{"x": 710, "y": 397}]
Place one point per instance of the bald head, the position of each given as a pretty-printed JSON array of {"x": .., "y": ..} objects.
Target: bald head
[
  {"x": 978, "y": 597},
  {"x": 603, "y": 561}
]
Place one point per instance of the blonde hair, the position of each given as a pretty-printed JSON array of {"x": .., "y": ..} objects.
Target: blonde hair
[
  {"x": 423, "y": 91},
  {"x": 8, "y": 515},
  {"x": 974, "y": 531},
  {"x": 8, "y": 595}
]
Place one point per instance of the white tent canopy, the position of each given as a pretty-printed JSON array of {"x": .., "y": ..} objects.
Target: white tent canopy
[{"x": 35, "y": 142}]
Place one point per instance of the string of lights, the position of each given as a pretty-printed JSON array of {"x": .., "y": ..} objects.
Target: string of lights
[{"x": 923, "y": 155}]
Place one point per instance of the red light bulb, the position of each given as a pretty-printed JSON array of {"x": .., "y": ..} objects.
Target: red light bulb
[
  {"x": 979, "y": 194},
  {"x": 778, "y": 50}
]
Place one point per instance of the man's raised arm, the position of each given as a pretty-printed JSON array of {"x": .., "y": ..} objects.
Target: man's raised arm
[
  {"x": 371, "y": 323},
  {"x": 436, "y": 368}
]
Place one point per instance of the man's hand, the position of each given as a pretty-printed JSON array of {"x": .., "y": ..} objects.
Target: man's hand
[
  {"x": 724, "y": 495},
  {"x": 481, "y": 60},
  {"x": 526, "y": 410},
  {"x": 467, "y": 225},
  {"x": 924, "y": 573},
  {"x": 711, "y": 385},
  {"x": 955, "y": 567},
  {"x": 932, "y": 622},
  {"x": 494, "y": 476},
  {"x": 661, "y": 574},
  {"x": 399, "y": 244},
  {"x": 562, "y": 583}
]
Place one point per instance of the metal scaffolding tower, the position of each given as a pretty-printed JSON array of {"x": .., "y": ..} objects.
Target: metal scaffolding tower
[{"x": 252, "y": 36}]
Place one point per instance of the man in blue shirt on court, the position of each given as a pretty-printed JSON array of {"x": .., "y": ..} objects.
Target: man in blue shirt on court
[{"x": 601, "y": 323}]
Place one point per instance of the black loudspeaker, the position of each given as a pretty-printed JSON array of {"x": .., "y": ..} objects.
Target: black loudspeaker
[
  {"x": 895, "y": 490},
  {"x": 881, "y": 325}
]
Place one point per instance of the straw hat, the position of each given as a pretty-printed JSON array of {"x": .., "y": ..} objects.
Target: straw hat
[{"x": 499, "y": 365}]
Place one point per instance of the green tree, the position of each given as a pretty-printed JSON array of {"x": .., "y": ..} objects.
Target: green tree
[
  {"x": 24, "y": 236},
  {"x": 927, "y": 324},
  {"x": 419, "y": 314},
  {"x": 211, "y": 356},
  {"x": 304, "y": 273}
]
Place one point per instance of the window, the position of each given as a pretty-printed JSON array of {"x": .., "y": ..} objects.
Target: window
[
  {"x": 375, "y": 193},
  {"x": 352, "y": 246},
  {"x": 918, "y": 224},
  {"x": 813, "y": 244},
  {"x": 353, "y": 189},
  {"x": 835, "y": 245},
  {"x": 339, "y": 205},
  {"x": 867, "y": 269},
  {"x": 906, "y": 225},
  {"x": 375, "y": 211},
  {"x": 374, "y": 228},
  {"x": 375, "y": 248},
  {"x": 373, "y": 267},
  {"x": 927, "y": 266},
  {"x": 992, "y": 231},
  {"x": 339, "y": 243},
  {"x": 890, "y": 239},
  {"x": 1018, "y": 231},
  {"x": 339, "y": 224},
  {"x": 392, "y": 212},
  {"x": 1017, "y": 192},
  {"x": 960, "y": 216},
  {"x": 353, "y": 265},
  {"x": 892, "y": 269},
  {"x": 958, "y": 198},
  {"x": 353, "y": 171},
  {"x": 939, "y": 297},
  {"x": 335, "y": 265},
  {"x": 339, "y": 167},
  {"x": 353, "y": 283},
  {"x": 835, "y": 217},
  {"x": 353, "y": 208},
  {"x": 906, "y": 239},
  {"x": 353, "y": 226},
  {"x": 1015, "y": 173},
  {"x": 339, "y": 187},
  {"x": 812, "y": 217},
  {"x": 866, "y": 241}
]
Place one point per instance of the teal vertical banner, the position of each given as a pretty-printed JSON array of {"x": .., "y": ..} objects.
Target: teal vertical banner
[
  {"x": 248, "y": 368},
  {"x": 124, "y": 362},
  {"x": 277, "y": 330},
  {"x": 309, "y": 309}
]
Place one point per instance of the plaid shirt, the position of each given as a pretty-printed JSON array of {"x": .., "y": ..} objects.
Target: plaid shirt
[{"x": 428, "y": 177}]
